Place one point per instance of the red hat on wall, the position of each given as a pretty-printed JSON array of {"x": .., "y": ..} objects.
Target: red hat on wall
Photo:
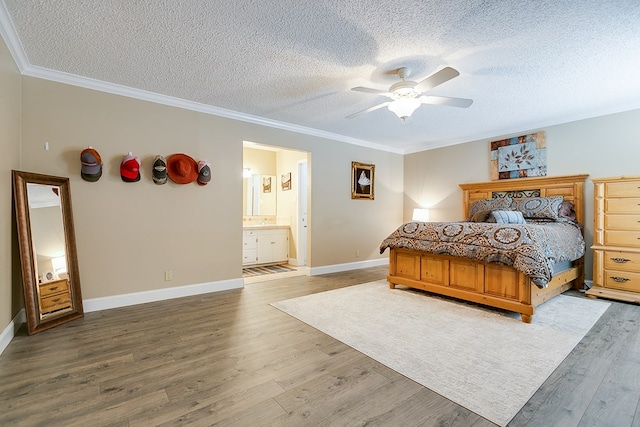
[
  {"x": 130, "y": 168},
  {"x": 182, "y": 169}
]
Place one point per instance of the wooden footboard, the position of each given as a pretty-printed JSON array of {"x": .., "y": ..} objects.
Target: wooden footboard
[{"x": 488, "y": 284}]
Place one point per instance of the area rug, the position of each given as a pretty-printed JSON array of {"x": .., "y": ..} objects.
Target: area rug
[
  {"x": 267, "y": 269},
  {"x": 486, "y": 360}
]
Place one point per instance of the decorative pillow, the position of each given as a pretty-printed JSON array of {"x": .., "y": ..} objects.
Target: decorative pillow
[
  {"x": 508, "y": 217},
  {"x": 566, "y": 210},
  {"x": 489, "y": 205},
  {"x": 482, "y": 216},
  {"x": 538, "y": 207}
]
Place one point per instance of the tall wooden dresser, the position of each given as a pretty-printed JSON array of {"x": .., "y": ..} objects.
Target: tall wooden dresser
[{"x": 616, "y": 240}]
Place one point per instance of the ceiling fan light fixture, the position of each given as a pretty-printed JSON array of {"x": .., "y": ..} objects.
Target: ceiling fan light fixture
[{"x": 404, "y": 107}]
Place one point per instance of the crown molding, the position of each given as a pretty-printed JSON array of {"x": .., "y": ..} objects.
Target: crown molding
[
  {"x": 116, "y": 89},
  {"x": 9, "y": 34}
]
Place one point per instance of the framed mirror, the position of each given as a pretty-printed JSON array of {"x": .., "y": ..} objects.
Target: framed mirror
[{"x": 47, "y": 245}]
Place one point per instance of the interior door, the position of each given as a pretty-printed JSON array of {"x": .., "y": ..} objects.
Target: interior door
[{"x": 302, "y": 213}]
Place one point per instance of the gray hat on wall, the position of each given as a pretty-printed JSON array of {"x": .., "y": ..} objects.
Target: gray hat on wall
[
  {"x": 204, "y": 172},
  {"x": 160, "y": 170},
  {"x": 91, "y": 169}
]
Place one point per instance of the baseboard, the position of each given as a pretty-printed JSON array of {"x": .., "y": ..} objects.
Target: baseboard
[
  {"x": 336, "y": 268},
  {"x": 10, "y": 331},
  {"x": 116, "y": 301}
]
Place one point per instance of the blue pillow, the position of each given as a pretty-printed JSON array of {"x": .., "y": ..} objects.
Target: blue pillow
[{"x": 508, "y": 217}]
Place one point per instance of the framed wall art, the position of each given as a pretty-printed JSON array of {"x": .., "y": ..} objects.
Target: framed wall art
[
  {"x": 266, "y": 184},
  {"x": 362, "y": 180},
  {"x": 286, "y": 181},
  {"x": 519, "y": 157}
]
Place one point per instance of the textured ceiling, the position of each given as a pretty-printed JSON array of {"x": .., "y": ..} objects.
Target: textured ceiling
[{"x": 526, "y": 64}]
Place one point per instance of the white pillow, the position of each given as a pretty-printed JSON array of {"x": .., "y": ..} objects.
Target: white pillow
[{"x": 508, "y": 217}]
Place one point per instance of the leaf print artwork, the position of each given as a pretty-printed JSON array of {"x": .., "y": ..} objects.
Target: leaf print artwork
[{"x": 517, "y": 157}]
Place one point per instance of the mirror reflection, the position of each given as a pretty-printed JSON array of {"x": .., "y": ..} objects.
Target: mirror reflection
[
  {"x": 260, "y": 195},
  {"x": 47, "y": 232}
]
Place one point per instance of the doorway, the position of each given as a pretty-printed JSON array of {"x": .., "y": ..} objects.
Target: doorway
[{"x": 289, "y": 177}]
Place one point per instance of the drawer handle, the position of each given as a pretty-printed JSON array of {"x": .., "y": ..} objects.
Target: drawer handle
[
  {"x": 53, "y": 288},
  {"x": 619, "y": 279},
  {"x": 56, "y": 300},
  {"x": 620, "y": 260}
]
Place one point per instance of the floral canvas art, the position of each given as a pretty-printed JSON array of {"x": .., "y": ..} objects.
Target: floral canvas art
[{"x": 519, "y": 157}]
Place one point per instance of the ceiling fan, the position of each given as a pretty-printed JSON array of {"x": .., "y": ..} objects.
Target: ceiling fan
[{"x": 407, "y": 96}]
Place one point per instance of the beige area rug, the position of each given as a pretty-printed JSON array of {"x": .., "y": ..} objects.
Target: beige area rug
[{"x": 483, "y": 359}]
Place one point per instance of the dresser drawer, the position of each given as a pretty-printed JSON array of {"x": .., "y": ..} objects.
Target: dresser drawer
[
  {"x": 630, "y": 206},
  {"x": 622, "y": 189},
  {"x": 623, "y": 261},
  {"x": 622, "y": 222},
  {"x": 622, "y": 280},
  {"x": 54, "y": 287},
  {"x": 55, "y": 302},
  {"x": 622, "y": 238}
]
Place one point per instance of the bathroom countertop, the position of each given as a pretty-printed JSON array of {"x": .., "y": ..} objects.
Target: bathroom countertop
[{"x": 263, "y": 226}]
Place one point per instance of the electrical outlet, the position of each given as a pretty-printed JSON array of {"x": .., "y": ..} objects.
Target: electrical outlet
[
  {"x": 168, "y": 275},
  {"x": 357, "y": 252}
]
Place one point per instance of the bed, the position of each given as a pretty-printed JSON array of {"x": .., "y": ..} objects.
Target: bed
[{"x": 433, "y": 256}]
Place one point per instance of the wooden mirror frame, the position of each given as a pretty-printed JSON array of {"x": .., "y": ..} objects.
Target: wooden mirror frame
[{"x": 36, "y": 321}]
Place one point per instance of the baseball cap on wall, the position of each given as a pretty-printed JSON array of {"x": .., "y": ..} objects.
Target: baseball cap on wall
[
  {"x": 130, "y": 168},
  {"x": 204, "y": 172},
  {"x": 91, "y": 169},
  {"x": 160, "y": 170}
]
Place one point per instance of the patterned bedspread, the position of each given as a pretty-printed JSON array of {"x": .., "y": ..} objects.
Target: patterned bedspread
[{"x": 529, "y": 248}]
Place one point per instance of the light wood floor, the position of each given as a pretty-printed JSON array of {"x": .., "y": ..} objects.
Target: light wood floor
[{"x": 231, "y": 359}]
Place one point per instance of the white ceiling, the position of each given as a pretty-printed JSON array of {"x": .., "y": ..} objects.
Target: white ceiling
[{"x": 526, "y": 64}]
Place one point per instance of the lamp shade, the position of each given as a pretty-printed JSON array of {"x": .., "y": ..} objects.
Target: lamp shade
[
  {"x": 404, "y": 107},
  {"x": 420, "y": 214}
]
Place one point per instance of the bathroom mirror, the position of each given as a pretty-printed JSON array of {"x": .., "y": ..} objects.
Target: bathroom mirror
[
  {"x": 260, "y": 195},
  {"x": 47, "y": 244}
]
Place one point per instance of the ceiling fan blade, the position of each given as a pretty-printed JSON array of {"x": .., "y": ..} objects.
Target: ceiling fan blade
[
  {"x": 436, "y": 79},
  {"x": 371, "y": 90},
  {"x": 445, "y": 100},
  {"x": 368, "y": 110}
]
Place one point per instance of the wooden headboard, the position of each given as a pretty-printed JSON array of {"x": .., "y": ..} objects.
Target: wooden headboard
[{"x": 571, "y": 187}]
